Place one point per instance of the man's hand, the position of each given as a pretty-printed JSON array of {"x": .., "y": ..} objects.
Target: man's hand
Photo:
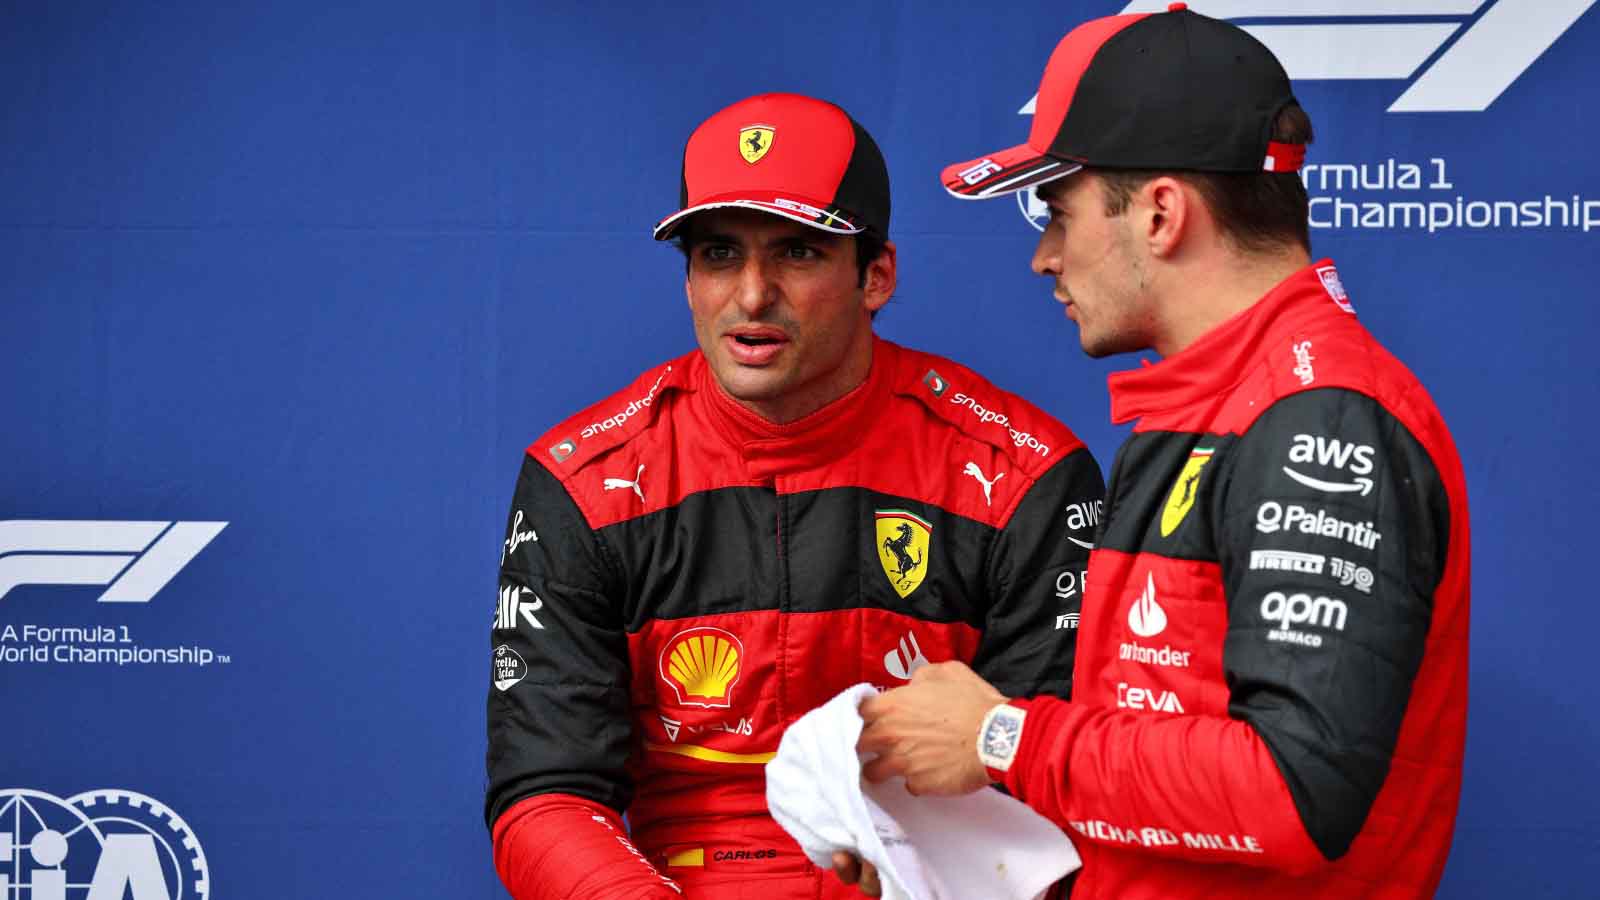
[
  {"x": 852, "y": 870},
  {"x": 927, "y": 731}
]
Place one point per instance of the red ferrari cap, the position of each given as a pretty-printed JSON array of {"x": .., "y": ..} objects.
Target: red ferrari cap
[
  {"x": 789, "y": 155},
  {"x": 1173, "y": 90}
]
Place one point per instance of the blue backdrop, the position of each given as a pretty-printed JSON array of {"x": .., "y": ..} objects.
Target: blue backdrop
[{"x": 320, "y": 274}]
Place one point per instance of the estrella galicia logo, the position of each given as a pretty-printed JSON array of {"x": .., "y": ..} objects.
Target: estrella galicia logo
[
  {"x": 111, "y": 843},
  {"x": 136, "y": 559}
]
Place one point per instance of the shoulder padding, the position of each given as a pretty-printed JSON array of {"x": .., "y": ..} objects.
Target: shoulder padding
[
  {"x": 1031, "y": 438},
  {"x": 612, "y": 422}
]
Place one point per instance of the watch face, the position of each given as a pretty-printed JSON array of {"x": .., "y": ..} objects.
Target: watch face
[{"x": 1000, "y": 739}]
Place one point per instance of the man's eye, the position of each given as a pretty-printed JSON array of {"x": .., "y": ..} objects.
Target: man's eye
[
  {"x": 801, "y": 251},
  {"x": 717, "y": 252}
]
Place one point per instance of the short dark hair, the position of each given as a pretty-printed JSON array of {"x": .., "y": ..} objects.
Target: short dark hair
[
  {"x": 1257, "y": 211},
  {"x": 869, "y": 246}
]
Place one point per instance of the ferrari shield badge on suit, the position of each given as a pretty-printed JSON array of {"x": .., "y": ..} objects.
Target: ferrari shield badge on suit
[
  {"x": 1183, "y": 491},
  {"x": 903, "y": 548}
]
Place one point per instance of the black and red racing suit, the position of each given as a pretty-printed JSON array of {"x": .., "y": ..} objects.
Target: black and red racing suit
[
  {"x": 682, "y": 580},
  {"x": 1271, "y": 683}
]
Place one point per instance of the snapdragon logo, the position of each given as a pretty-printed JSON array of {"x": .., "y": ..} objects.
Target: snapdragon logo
[
  {"x": 986, "y": 415},
  {"x": 620, "y": 418}
]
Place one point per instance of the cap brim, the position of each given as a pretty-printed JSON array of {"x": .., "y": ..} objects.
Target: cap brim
[
  {"x": 1004, "y": 172},
  {"x": 830, "y": 219}
]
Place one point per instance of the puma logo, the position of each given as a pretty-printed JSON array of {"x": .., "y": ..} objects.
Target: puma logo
[
  {"x": 622, "y": 484},
  {"x": 988, "y": 483}
]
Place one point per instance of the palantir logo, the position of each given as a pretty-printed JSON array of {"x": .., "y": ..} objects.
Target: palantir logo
[
  {"x": 136, "y": 559},
  {"x": 113, "y": 844}
]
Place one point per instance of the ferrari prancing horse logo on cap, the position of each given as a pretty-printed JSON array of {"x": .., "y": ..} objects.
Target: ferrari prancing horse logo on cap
[{"x": 754, "y": 142}]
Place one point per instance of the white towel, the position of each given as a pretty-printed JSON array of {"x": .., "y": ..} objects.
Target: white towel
[{"x": 981, "y": 846}]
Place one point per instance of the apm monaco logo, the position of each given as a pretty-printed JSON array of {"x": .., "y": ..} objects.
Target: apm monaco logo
[
  {"x": 136, "y": 559},
  {"x": 100, "y": 845}
]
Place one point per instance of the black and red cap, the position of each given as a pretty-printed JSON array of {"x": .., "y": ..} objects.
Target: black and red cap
[
  {"x": 789, "y": 155},
  {"x": 1174, "y": 90}
]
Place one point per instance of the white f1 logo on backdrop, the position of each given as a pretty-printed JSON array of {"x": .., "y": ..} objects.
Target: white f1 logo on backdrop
[
  {"x": 136, "y": 559},
  {"x": 1396, "y": 37},
  {"x": 1392, "y": 41}
]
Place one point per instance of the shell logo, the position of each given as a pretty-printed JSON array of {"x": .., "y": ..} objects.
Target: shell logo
[{"x": 702, "y": 666}]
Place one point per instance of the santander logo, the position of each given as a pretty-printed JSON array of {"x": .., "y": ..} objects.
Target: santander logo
[{"x": 1146, "y": 618}]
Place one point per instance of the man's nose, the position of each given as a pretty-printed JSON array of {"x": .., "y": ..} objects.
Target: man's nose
[
  {"x": 1047, "y": 254},
  {"x": 757, "y": 287}
]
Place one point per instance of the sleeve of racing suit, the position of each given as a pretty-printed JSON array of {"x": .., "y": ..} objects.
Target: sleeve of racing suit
[
  {"x": 1329, "y": 575},
  {"x": 558, "y": 723},
  {"x": 547, "y": 847},
  {"x": 1036, "y": 570}
]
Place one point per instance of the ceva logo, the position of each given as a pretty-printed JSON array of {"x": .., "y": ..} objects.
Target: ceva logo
[{"x": 136, "y": 559}]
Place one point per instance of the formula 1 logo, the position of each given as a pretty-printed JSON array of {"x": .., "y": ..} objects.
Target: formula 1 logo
[
  {"x": 1487, "y": 45},
  {"x": 110, "y": 843},
  {"x": 136, "y": 559}
]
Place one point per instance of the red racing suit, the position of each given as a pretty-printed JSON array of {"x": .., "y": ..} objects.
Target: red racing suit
[
  {"x": 1270, "y": 691},
  {"x": 682, "y": 580}
]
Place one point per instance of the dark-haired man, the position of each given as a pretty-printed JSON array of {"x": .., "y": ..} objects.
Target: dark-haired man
[
  {"x": 1270, "y": 687},
  {"x": 793, "y": 508}
]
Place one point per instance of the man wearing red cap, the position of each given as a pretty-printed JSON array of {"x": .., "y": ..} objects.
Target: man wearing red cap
[
  {"x": 1270, "y": 682},
  {"x": 796, "y": 507}
]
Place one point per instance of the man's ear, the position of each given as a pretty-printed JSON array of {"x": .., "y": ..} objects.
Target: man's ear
[
  {"x": 1167, "y": 211},
  {"x": 881, "y": 278}
]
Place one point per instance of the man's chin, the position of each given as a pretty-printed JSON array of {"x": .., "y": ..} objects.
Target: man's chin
[{"x": 750, "y": 384}]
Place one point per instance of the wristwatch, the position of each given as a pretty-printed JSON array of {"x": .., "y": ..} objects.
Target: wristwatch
[{"x": 1000, "y": 735}]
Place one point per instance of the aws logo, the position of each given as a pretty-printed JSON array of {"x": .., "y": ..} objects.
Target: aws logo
[
  {"x": 1332, "y": 453},
  {"x": 702, "y": 665}
]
